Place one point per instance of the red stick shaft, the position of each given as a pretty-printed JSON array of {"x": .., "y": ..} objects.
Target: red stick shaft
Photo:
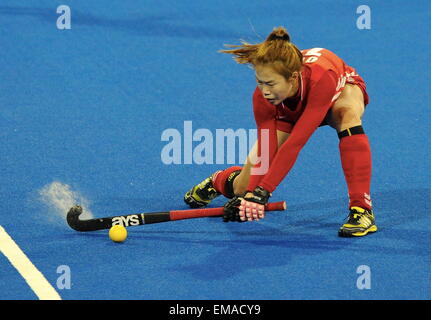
[{"x": 210, "y": 212}]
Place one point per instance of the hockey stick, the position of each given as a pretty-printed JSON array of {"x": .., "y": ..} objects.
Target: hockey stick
[{"x": 150, "y": 217}]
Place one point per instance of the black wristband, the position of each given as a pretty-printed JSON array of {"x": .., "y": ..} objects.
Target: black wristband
[{"x": 260, "y": 195}]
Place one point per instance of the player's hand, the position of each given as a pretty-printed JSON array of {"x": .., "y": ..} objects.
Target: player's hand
[
  {"x": 231, "y": 210},
  {"x": 252, "y": 206}
]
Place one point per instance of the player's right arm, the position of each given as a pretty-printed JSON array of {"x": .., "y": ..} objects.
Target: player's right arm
[{"x": 241, "y": 182}]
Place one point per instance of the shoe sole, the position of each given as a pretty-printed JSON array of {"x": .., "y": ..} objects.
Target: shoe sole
[{"x": 343, "y": 233}]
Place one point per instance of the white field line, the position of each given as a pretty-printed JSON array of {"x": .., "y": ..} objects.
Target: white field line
[{"x": 34, "y": 278}]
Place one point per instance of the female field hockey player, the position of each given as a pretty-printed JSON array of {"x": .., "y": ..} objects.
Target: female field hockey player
[{"x": 297, "y": 91}]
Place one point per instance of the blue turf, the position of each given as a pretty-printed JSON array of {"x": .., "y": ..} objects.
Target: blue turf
[{"x": 87, "y": 107}]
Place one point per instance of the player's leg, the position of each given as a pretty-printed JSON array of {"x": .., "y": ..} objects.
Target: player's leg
[
  {"x": 355, "y": 153},
  {"x": 219, "y": 183},
  {"x": 230, "y": 182}
]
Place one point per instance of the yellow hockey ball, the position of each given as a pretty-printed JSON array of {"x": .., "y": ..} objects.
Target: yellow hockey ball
[{"x": 118, "y": 233}]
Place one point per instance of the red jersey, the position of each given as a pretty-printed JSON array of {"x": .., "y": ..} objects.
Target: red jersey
[{"x": 322, "y": 79}]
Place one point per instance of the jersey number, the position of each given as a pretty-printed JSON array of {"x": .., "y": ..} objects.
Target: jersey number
[{"x": 312, "y": 54}]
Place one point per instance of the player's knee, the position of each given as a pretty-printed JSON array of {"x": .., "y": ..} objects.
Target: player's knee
[
  {"x": 345, "y": 117},
  {"x": 345, "y": 113}
]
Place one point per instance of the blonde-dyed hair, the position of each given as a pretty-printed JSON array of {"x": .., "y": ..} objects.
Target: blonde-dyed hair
[{"x": 276, "y": 51}]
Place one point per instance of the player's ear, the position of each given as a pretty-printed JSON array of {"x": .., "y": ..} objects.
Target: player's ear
[{"x": 294, "y": 75}]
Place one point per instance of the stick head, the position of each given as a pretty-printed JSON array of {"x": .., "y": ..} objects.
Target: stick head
[
  {"x": 73, "y": 217},
  {"x": 75, "y": 210}
]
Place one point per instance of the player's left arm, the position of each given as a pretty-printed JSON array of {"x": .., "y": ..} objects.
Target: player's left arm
[{"x": 319, "y": 102}]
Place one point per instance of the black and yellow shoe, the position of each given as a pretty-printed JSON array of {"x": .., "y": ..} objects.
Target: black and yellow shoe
[
  {"x": 202, "y": 194},
  {"x": 359, "y": 223}
]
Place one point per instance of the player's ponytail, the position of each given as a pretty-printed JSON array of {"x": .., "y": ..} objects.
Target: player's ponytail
[
  {"x": 279, "y": 33},
  {"x": 277, "y": 50}
]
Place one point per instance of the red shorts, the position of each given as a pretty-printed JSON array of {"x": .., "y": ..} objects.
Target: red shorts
[{"x": 356, "y": 80}]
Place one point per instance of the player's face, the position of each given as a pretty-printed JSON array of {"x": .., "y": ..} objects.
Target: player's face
[{"x": 275, "y": 88}]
